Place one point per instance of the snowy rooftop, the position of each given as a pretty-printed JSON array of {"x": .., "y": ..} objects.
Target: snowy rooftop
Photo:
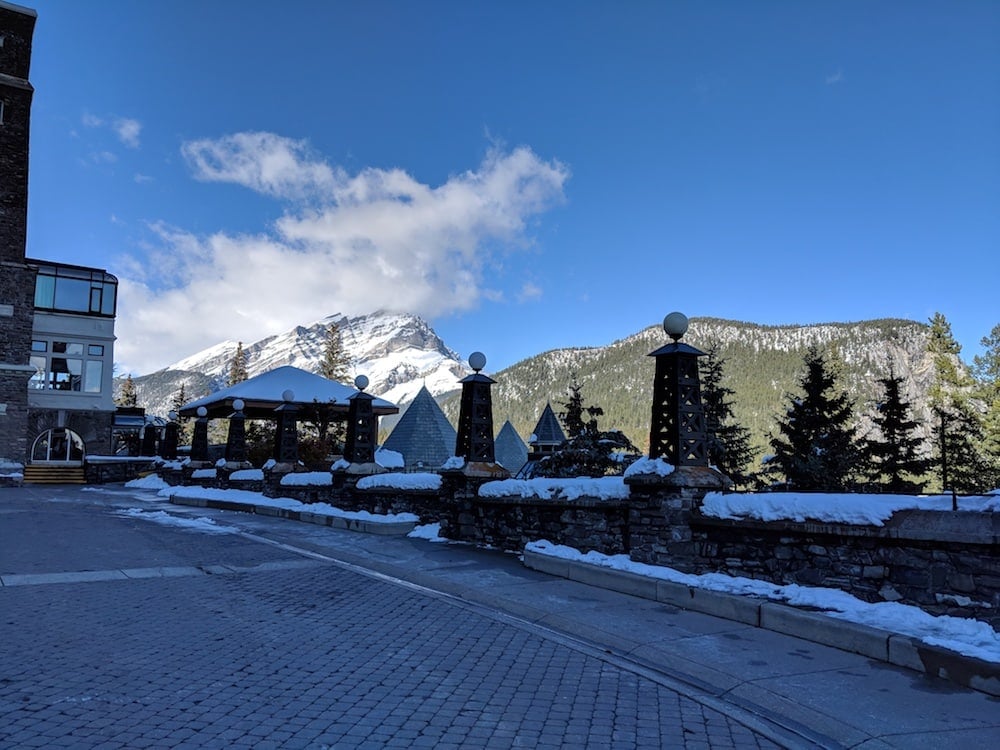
[{"x": 263, "y": 394}]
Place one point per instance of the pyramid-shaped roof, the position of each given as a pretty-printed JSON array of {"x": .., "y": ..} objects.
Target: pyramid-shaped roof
[
  {"x": 262, "y": 394},
  {"x": 548, "y": 431},
  {"x": 509, "y": 450},
  {"x": 423, "y": 434}
]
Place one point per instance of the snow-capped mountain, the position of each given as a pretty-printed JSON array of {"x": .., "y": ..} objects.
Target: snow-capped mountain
[{"x": 397, "y": 352}]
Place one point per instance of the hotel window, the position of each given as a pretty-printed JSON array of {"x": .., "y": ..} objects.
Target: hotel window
[
  {"x": 63, "y": 366},
  {"x": 75, "y": 290}
]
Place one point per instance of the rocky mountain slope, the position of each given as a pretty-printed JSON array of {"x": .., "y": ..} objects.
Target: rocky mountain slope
[
  {"x": 762, "y": 365},
  {"x": 398, "y": 353}
]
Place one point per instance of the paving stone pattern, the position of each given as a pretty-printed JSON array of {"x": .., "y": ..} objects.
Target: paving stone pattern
[{"x": 312, "y": 657}]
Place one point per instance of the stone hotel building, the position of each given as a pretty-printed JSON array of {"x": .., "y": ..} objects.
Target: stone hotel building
[{"x": 56, "y": 320}]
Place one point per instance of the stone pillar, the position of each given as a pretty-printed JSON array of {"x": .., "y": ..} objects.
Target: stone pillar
[
  {"x": 362, "y": 425},
  {"x": 168, "y": 446},
  {"x": 148, "y": 447},
  {"x": 236, "y": 438},
  {"x": 677, "y": 427},
  {"x": 286, "y": 433},
  {"x": 199, "y": 436},
  {"x": 474, "y": 442},
  {"x": 666, "y": 489}
]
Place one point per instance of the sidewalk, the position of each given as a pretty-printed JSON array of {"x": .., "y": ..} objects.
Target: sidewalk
[{"x": 735, "y": 651}]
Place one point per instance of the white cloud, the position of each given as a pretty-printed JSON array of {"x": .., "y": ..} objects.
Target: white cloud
[
  {"x": 378, "y": 239},
  {"x": 529, "y": 291},
  {"x": 264, "y": 162},
  {"x": 140, "y": 178},
  {"x": 128, "y": 131},
  {"x": 834, "y": 78}
]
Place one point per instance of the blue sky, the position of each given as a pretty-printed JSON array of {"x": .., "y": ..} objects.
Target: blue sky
[{"x": 525, "y": 175}]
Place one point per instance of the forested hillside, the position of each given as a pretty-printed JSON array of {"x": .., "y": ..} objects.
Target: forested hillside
[{"x": 763, "y": 364}]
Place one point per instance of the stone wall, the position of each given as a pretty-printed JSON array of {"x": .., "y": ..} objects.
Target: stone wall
[{"x": 945, "y": 563}]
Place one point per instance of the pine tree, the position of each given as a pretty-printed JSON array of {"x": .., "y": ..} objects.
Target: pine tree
[
  {"x": 729, "y": 447},
  {"x": 964, "y": 466},
  {"x": 572, "y": 415},
  {"x": 588, "y": 451},
  {"x": 183, "y": 423},
  {"x": 895, "y": 460},
  {"x": 335, "y": 360},
  {"x": 986, "y": 368},
  {"x": 816, "y": 447},
  {"x": 128, "y": 395},
  {"x": 237, "y": 366}
]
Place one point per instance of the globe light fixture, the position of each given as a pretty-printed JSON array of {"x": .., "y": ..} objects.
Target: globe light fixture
[
  {"x": 287, "y": 395},
  {"x": 238, "y": 405},
  {"x": 202, "y": 412},
  {"x": 361, "y": 382},
  {"x": 477, "y": 361},
  {"x": 675, "y": 325}
]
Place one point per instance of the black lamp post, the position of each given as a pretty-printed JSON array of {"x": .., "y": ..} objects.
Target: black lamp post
[
  {"x": 199, "y": 438},
  {"x": 148, "y": 440},
  {"x": 236, "y": 439},
  {"x": 362, "y": 425},
  {"x": 286, "y": 436},
  {"x": 677, "y": 433},
  {"x": 475, "y": 418},
  {"x": 168, "y": 446}
]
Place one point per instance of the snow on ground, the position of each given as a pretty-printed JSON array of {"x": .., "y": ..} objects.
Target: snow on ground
[
  {"x": 605, "y": 488},
  {"x": 150, "y": 482},
  {"x": 872, "y": 510},
  {"x": 430, "y": 531},
  {"x": 646, "y": 465},
  {"x": 414, "y": 481},
  {"x": 966, "y": 636},
  {"x": 247, "y": 498},
  {"x": 192, "y": 524}
]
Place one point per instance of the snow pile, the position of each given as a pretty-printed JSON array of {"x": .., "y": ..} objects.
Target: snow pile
[
  {"x": 165, "y": 519},
  {"x": 6, "y": 465},
  {"x": 389, "y": 459},
  {"x": 604, "y": 488},
  {"x": 307, "y": 479},
  {"x": 247, "y": 475},
  {"x": 203, "y": 474},
  {"x": 430, "y": 532},
  {"x": 415, "y": 481},
  {"x": 340, "y": 464},
  {"x": 244, "y": 497},
  {"x": 966, "y": 636},
  {"x": 453, "y": 463},
  {"x": 150, "y": 482},
  {"x": 872, "y": 510},
  {"x": 646, "y": 465}
]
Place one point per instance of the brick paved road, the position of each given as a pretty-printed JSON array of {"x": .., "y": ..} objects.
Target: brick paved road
[{"x": 294, "y": 653}]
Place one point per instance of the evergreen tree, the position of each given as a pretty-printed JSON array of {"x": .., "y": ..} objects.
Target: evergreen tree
[
  {"x": 729, "y": 447},
  {"x": 588, "y": 451},
  {"x": 895, "y": 461},
  {"x": 128, "y": 395},
  {"x": 183, "y": 423},
  {"x": 986, "y": 368},
  {"x": 964, "y": 466},
  {"x": 237, "y": 366},
  {"x": 816, "y": 447},
  {"x": 334, "y": 365},
  {"x": 572, "y": 415},
  {"x": 330, "y": 433}
]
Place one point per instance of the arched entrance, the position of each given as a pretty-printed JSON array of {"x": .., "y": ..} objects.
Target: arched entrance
[{"x": 58, "y": 445}]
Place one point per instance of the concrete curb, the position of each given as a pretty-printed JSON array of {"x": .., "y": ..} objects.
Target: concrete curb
[
  {"x": 393, "y": 528},
  {"x": 875, "y": 643}
]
